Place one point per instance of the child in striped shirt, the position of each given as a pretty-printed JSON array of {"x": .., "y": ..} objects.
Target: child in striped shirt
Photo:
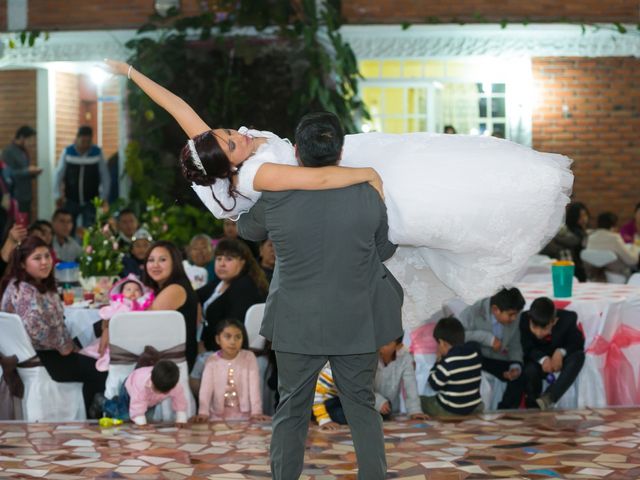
[
  {"x": 327, "y": 409},
  {"x": 456, "y": 374}
]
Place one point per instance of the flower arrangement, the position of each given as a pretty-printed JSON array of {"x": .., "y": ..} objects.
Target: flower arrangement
[
  {"x": 154, "y": 219},
  {"x": 101, "y": 254}
]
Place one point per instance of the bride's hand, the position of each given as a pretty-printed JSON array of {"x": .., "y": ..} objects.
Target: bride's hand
[
  {"x": 116, "y": 67},
  {"x": 376, "y": 182}
]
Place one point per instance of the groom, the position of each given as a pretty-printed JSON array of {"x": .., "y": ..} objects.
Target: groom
[{"x": 331, "y": 299}]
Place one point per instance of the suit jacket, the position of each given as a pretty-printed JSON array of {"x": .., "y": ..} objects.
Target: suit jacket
[
  {"x": 330, "y": 293},
  {"x": 17, "y": 159},
  {"x": 564, "y": 334},
  {"x": 233, "y": 303},
  {"x": 478, "y": 327}
]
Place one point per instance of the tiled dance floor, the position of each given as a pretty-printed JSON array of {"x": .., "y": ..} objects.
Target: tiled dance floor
[{"x": 532, "y": 445}]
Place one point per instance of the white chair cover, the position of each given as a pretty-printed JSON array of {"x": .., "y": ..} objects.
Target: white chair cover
[
  {"x": 634, "y": 279},
  {"x": 253, "y": 322},
  {"x": 598, "y": 258},
  {"x": 44, "y": 399},
  {"x": 133, "y": 331}
]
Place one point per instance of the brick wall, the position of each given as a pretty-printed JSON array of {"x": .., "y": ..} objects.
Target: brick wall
[
  {"x": 94, "y": 15},
  {"x": 17, "y": 108},
  {"x": 397, "y": 11},
  {"x": 67, "y": 108},
  {"x": 599, "y": 128}
]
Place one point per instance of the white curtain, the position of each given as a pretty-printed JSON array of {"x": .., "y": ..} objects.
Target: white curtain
[{"x": 458, "y": 106}]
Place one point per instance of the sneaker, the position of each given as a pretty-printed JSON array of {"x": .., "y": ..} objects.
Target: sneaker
[
  {"x": 544, "y": 401},
  {"x": 95, "y": 409}
]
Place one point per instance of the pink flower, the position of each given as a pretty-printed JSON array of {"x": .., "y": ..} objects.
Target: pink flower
[
  {"x": 115, "y": 245},
  {"x": 105, "y": 228},
  {"x": 165, "y": 227},
  {"x": 89, "y": 249}
]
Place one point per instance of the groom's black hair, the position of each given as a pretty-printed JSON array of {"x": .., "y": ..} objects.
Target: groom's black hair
[{"x": 319, "y": 139}]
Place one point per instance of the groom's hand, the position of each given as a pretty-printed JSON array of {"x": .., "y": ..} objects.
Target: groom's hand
[{"x": 376, "y": 182}]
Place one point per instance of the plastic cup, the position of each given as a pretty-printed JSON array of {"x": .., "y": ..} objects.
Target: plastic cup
[
  {"x": 68, "y": 297},
  {"x": 562, "y": 276}
]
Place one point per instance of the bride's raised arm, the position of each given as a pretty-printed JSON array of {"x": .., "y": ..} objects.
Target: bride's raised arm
[{"x": 188, "y": 119}]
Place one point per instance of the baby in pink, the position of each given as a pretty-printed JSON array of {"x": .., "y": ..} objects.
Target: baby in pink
[{"x": 127, "y": 295}]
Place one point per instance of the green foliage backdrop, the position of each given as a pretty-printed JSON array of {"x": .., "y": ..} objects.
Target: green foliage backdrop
[{"x": 297, "y": 63}]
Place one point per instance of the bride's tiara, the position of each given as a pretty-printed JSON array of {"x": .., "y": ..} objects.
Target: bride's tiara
[{"x": 195, "y": 157}]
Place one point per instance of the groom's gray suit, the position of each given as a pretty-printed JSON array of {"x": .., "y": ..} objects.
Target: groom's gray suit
[{"x": 331, "y": 298}]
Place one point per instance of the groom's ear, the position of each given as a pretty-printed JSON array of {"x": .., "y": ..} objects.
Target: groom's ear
[{"x": 295, "y": 151}]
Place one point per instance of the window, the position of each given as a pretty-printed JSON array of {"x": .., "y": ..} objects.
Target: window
[{"x": 417, "y": 95}]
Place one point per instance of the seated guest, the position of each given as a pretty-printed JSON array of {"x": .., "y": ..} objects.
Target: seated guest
[
  {"x": 29, "y": 290},
  {"x": 127, "y": 227},
  {"x": 197, "y": 275},
  {"x": 605, "y": 237},
  {"x": 456, "y": 375},
  {"x": 200, "y": 254},
  {"x": 630, "y": 231},
  {"x": 241, "y": 284},
  {"x": 396, "y": 375},
  {"x": 134, "y": 261},
  {"x": 44, "y": 230},
  {"x": 230, "y": 388},
  {"x": 65, "y": 246},
  {"x": 553, "y": 348},
  {"x": 230, "y": 232},
  {"x": 15, "y": 235},
  {"x": 267, "y": 258},
  {"x": 163, "y": 273},
  {"x": 577, "y": 223},
  {"x": 491, "y": 323}
]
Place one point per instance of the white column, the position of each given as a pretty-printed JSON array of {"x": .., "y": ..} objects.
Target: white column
[
  {"x": 46, "y": 128},
  {"x": 123, "y": 140}
]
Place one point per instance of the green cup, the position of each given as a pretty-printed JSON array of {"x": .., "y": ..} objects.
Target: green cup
[{"x": 562, "y": 276}]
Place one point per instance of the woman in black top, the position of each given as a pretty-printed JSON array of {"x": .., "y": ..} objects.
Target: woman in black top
[
  {"x": 164, "y": 274},
  {"x": 241, "y": 283}
]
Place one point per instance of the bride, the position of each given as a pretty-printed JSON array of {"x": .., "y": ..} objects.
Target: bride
[{"x": 467, "y": 211}]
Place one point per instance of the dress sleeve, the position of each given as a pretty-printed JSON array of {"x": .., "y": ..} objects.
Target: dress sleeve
[{"x": 233, "y": 207}]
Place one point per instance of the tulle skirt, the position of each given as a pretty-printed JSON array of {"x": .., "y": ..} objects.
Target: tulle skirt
[{"x": 468, "y": 211}]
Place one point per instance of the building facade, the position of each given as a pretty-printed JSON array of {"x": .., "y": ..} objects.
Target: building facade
[{"x": 559, "y": 76}]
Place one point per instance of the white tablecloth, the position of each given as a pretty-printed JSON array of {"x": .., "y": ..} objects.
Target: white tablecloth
[{"x": 79, "y": 322}]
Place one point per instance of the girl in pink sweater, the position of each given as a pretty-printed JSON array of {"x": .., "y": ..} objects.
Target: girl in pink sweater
[{"x": 230, "y": 388}]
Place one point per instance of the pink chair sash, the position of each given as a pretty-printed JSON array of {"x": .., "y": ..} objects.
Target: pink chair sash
[
  {"x": 422, "y": 341},
  {"x": 619, "y": 382}
]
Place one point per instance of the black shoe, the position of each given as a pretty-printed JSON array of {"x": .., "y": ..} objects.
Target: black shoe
[{"x": 95, "y": 409}]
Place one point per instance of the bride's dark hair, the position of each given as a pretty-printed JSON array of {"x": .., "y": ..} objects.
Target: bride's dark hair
[{"x": 214, "y": 161}]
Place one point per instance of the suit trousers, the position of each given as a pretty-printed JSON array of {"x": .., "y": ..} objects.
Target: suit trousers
[
  {"x": 297, "y": 378},
  {"x": 533, "y": 376},
  {"x": 513, "y": 393}
]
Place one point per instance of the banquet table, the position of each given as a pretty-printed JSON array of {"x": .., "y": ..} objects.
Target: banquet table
[{"x": 79, "y": 321}]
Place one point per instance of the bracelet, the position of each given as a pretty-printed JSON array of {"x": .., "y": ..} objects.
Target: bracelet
[{"x": 129, "y": 72}]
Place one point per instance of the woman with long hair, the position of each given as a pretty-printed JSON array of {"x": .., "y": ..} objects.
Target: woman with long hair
[
  {"x": 164, "y": 274},
  {"x": 29, "y": 290},
  {"x": 241, "y": 283},
  {"x": 463, "y": 201}
]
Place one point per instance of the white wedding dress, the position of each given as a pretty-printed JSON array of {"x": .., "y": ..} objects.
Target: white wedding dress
[{"x": 467, "y": 211}]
